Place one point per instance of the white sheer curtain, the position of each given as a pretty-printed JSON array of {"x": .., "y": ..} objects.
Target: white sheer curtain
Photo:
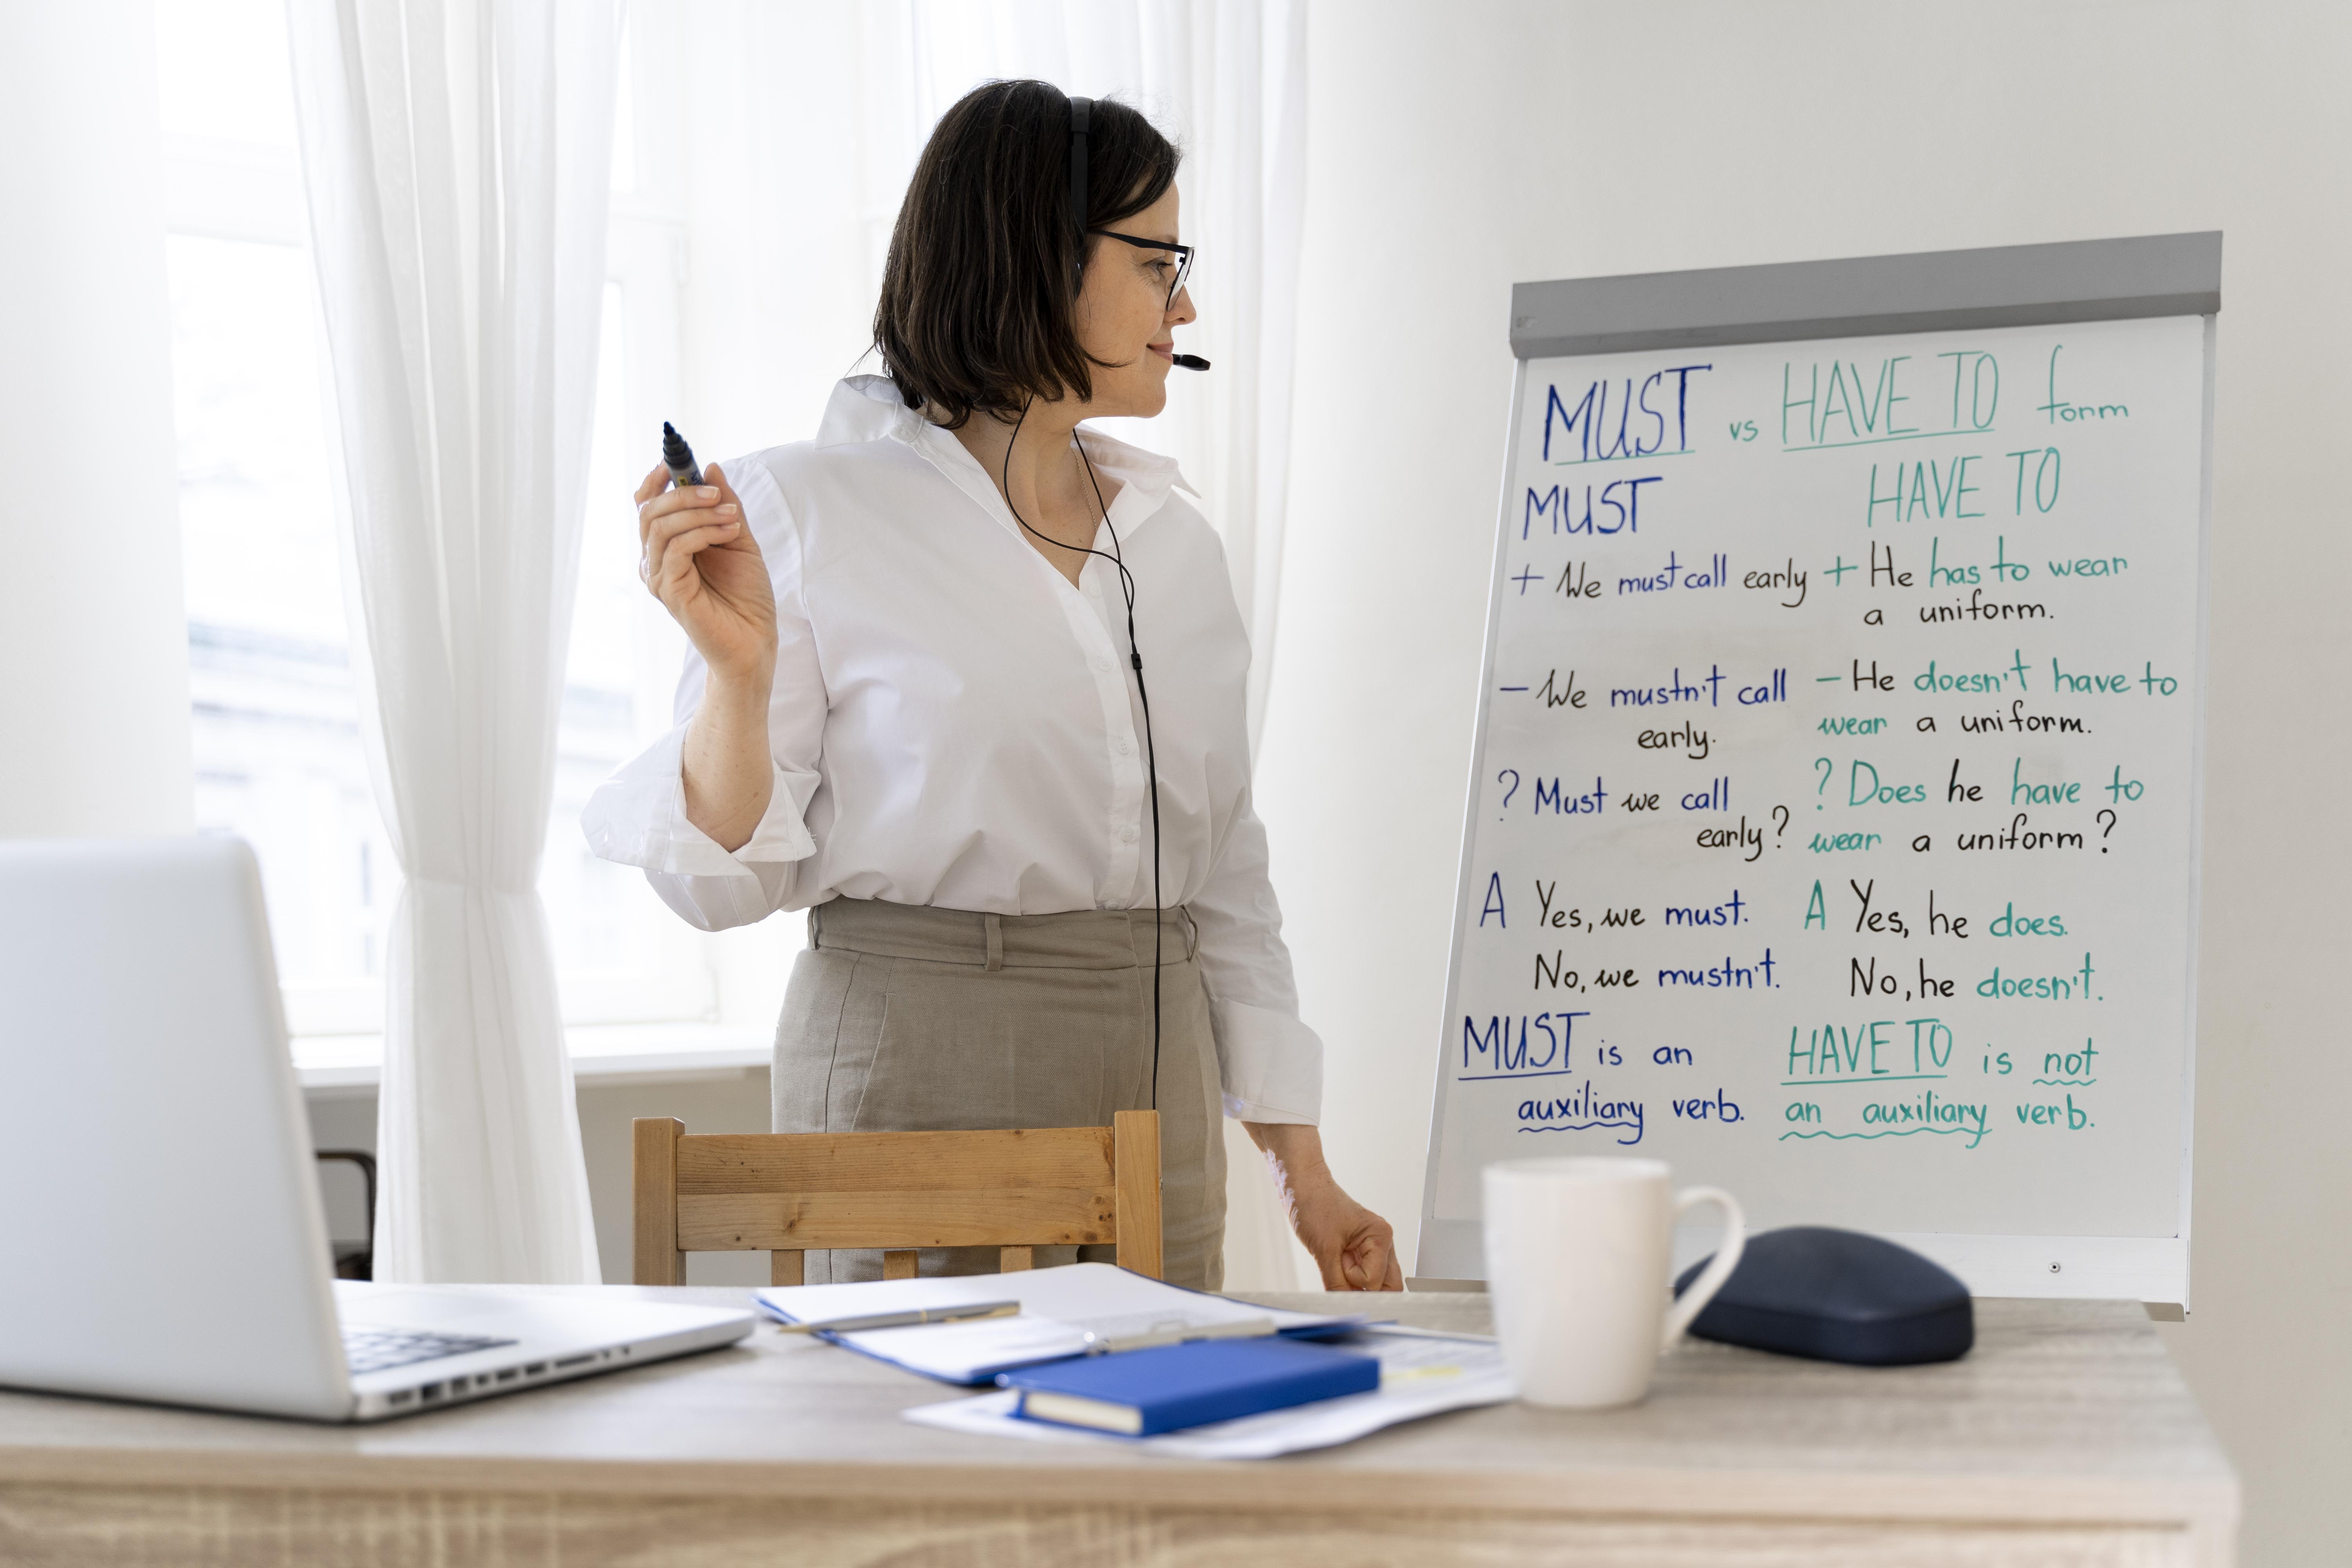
[{"x": 457, "y": 154}]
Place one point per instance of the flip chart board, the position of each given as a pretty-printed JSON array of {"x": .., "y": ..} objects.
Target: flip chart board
[{"x": 1834, "y": 828}]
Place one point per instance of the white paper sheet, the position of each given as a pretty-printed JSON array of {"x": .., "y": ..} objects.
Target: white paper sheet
[
  {"x": 1059, "y": 1307},
  {"x": 1420, "y": 1376}
]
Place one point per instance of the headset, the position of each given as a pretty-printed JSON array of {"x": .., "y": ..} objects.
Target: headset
[{"x": 1081, "y": 119}]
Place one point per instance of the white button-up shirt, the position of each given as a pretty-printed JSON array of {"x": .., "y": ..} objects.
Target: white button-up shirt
[{"x": 954, "y": 724}]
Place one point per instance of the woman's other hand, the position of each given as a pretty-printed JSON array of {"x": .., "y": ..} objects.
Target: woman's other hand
[
  {"x": 700, "y": 561},
  {"x": 1354, "y": 1247}
]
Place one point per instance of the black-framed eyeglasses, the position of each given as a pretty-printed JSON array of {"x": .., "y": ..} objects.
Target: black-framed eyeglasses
[{"x": 1183, "y": 254}]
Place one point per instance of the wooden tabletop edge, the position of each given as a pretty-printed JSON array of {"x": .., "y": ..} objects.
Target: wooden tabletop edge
[{"x": 1623, "y": 1492}]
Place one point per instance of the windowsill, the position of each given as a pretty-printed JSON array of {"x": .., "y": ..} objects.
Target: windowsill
[{"x": 334, "y": 1066}]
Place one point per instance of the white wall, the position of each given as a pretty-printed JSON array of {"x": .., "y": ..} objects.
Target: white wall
[
  {"x": 1455, "y": 150},
  {"x": 93, "y": 635}
]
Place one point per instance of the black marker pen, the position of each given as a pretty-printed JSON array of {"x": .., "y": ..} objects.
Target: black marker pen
[{"x": 678, "y": 458}]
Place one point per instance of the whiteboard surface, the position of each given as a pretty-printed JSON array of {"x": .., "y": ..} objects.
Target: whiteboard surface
[{"x": 1748, "y": 619}]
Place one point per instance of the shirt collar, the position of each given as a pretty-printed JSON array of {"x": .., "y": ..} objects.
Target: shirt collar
[{"x": 869, "y": 408}]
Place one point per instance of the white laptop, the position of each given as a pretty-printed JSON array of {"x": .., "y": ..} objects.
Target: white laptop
[{"x": 160, "y": 1213}]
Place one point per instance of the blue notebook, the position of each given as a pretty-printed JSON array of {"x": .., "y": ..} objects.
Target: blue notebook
[{"x": 1139, "y": 1393}]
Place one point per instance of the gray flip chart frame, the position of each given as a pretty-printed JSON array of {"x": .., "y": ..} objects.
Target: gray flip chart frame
[{"x": 1932, "y": 291}]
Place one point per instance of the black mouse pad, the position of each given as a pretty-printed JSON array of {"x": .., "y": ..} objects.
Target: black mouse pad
[{"x": 1837, "y": 1295}]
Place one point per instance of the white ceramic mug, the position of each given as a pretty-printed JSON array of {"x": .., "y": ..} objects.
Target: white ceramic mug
[{"x": 1578, "y": 1253}]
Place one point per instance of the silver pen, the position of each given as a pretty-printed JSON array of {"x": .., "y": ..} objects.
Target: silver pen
[
  {"x": 1177, "y": 1333},
  {"x": 906, "y": 1319}
]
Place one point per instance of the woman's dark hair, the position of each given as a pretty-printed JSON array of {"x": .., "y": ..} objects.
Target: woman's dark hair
[{"x": 976, "y": 313}]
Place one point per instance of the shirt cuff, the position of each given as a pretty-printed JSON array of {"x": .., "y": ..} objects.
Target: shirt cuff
[
  {"x": 782, "y": 836},
  {"x": 637, "y": 817},
  {"x": 1271, "y": 1065}
]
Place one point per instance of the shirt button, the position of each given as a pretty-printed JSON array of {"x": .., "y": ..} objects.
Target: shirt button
[
  {"x": 1125, "y": 745},
  {"x": 1103, "y": 664},
  {"x": 1127, "y": 834},
  {"x": 1094, "y": 589}
]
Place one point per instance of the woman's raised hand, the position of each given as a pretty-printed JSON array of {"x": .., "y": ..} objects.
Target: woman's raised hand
[{"x": 701, "y": 561}]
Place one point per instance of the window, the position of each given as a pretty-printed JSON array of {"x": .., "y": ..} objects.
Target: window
[
  {"x": 274, "y": 712},
  {"x": 274, "y": 707}
]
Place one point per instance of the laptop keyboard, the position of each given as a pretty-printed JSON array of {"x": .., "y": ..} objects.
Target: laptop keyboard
[{"x": 378, "y": 1350}]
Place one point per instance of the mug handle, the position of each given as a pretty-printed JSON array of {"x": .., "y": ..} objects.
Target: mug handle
[{"x": 1680, "y": 1312}]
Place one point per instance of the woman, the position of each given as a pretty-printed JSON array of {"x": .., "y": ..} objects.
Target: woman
[{"x": 962, "y": 672}]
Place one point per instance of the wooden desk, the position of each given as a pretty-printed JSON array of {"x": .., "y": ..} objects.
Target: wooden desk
[{"x": 2066, "y": 1438}]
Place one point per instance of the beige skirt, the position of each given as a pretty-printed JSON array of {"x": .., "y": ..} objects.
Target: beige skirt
[{"x": 902, "y": 1018}]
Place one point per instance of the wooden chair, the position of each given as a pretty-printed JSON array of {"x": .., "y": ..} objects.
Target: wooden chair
[
  {"x": 354, "y": 1259},
  {"x": 787, "y": 1191}
]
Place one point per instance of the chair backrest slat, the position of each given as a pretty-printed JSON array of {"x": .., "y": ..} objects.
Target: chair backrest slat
[
  {"x": 1015, "y": 1216},
  {"x": 1063, "y": 1157}
]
